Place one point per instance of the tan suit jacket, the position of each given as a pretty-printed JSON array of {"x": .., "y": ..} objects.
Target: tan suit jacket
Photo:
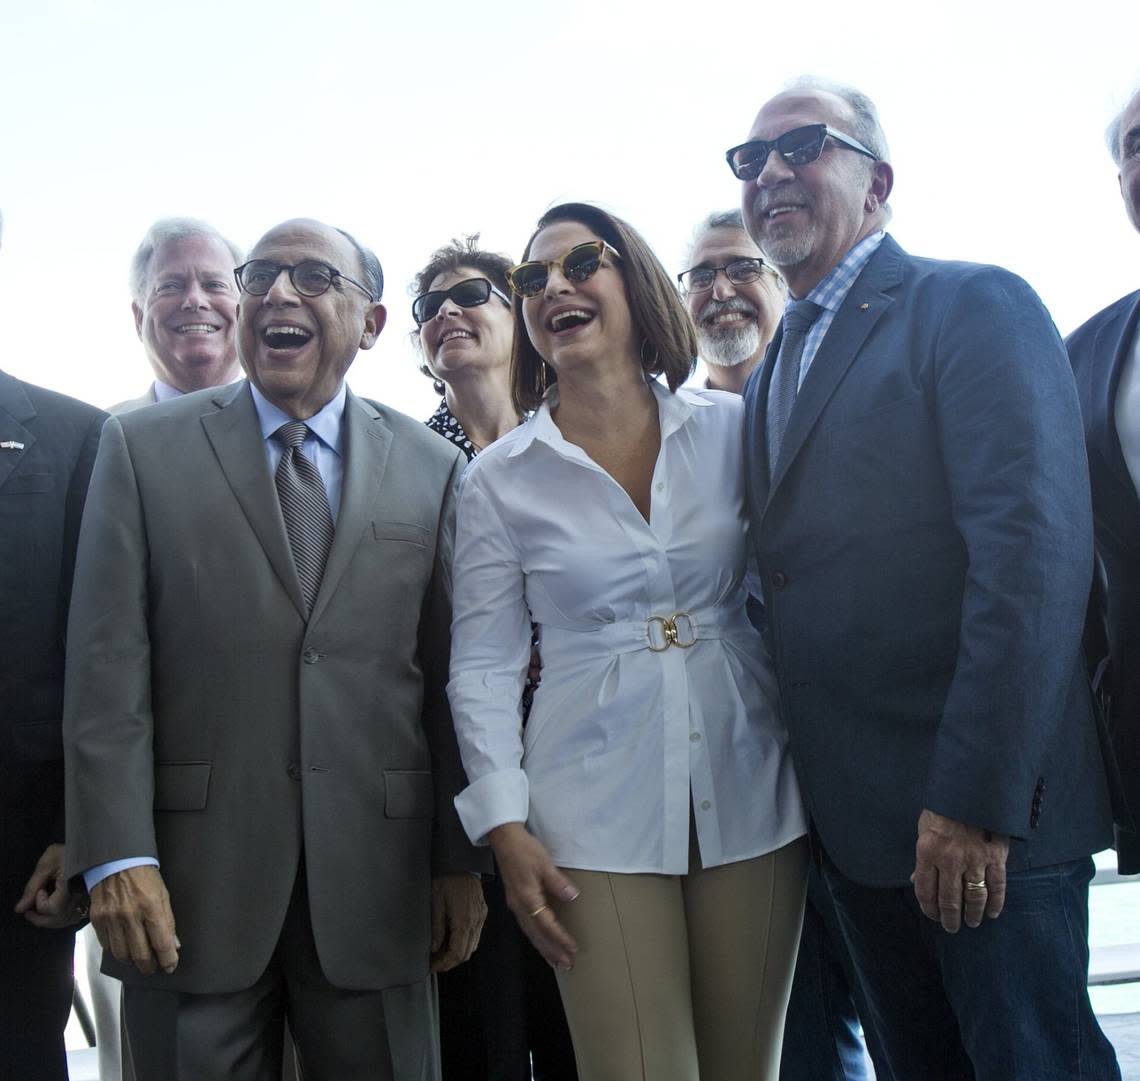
[{"x": 208, "y": 724}]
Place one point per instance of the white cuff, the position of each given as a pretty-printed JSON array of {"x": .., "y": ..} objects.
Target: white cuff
[{"x": 503, "y": 796}]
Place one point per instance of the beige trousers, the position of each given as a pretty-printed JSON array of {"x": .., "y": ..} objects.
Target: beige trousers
[{"x": 684, "y": 977}]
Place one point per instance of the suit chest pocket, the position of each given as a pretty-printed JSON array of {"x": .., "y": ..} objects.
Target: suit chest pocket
[{"x": 27, "y": 484}]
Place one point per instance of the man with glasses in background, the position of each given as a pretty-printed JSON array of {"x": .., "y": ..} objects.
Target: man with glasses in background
[
  {"x": 919, "y": 513},
  {"x": 735, "y": 300},
  {"x": 261, "y": 761}
]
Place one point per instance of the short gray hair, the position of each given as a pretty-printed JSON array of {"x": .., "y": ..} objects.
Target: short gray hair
[
  {"x": 1114, "y": 132},
  {"x": 718, "y": 219},
  {"x": 866, "y": 127},
  {"x": 373, "y": 271},
  {"x": 162, "y": 232}
]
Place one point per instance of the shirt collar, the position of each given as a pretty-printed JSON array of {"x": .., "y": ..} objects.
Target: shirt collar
[
  {"x": 673, "y": 409},
  {"x": 163, "y": 392},
  {"x": 833, "y": 289},
  {"x": 327, "y": 424}
]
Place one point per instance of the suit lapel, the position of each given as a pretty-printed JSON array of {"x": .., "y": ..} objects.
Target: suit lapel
[
  {"x": 756, "y": 421},
  {"x": 1114, "y": 341},
  {"x": 235, "y": 435},
  {"x": 15, "y": 410},
  {"x": 367, "y": 440},
  {"x": 862, "y": 308}
]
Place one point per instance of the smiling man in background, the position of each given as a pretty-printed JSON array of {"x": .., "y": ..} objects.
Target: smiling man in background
[
  {"x": 259, "y": 744},
  {"x": 184, "y": 302},
  {"x": 735, "y": 300}
]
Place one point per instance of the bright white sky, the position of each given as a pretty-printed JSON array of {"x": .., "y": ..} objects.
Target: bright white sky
[{"x": 409, "y": 124}]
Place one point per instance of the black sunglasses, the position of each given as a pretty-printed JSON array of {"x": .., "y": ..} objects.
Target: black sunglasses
[
  {"x": 469, "y": 293},
  {"x": 581, "y": 262},
  {"x": 797, "y": 147},
  {"x": 311, "y": 278},
  {"x": 700, "y": 279}
]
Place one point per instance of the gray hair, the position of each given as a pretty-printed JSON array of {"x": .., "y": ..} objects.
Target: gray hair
[
  {"x": 373, "y": 271},
  {"x": 866, "y": 127},
  {"x": 718, "y": 219},
  {"x": 162, "y": 232},
  {"x": 1114, "y": 132}
]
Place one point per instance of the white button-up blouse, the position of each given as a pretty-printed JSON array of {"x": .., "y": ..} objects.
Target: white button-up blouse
[{"x": 657, "y": 694}]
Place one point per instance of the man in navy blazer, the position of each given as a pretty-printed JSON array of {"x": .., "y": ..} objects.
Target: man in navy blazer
[
  {"x": 1104, "y": 354},
  {"x": 47, "y": 449},
  {"x": 923, "y": 534}
]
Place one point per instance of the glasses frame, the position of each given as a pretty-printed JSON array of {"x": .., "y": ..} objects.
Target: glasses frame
[
  {"x": 760, "y": 266},
  {"x": 764, "y": 148},
  {"x": 602, "y": 248},
  {"x": 333, "y": 272},
  {"x": 447, "y": 294}
]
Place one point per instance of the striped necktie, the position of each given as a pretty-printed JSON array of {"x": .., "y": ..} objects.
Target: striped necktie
[
  {"x": 305, "y": 508},
  {"x": 798, "y": 318}
]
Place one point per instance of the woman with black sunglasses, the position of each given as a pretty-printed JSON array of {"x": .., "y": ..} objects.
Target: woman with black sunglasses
[
  {"x": 646, "y": 822},
  {"x": 464, "y": 331},
  {"x": 500, "y": 1012}
]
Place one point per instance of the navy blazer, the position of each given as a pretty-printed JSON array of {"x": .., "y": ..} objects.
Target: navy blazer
[
  {"x": 47, "y": 448},
  {"x": 1097, "y": 351},
  {"x": 926, "y": 551}
]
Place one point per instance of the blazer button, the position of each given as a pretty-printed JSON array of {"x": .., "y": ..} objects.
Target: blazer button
[
  {"x": 294, "y": 771},
  {"x": 311, "y": 656},
  {"x": 779, "y": 580}
]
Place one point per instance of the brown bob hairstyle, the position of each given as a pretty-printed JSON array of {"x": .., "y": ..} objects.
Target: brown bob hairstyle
[{"x": 668, "y": 341}]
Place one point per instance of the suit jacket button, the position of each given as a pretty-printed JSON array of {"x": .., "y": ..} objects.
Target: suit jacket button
[
  {"x": 311, "y": 656},
  {"x": 779, "y": 580},
  {"x": 294, "y": 771}
]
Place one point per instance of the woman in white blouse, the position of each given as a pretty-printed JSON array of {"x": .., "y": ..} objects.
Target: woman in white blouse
[{"x": 646, "y": 821}]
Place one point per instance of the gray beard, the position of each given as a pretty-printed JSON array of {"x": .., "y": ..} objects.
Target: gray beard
[
  {"x": 790, "y": 249},
  {"x": 729, "y": 347}
]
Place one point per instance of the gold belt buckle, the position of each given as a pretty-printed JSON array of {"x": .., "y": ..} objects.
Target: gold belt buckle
[{"x": 670, "y": 633}]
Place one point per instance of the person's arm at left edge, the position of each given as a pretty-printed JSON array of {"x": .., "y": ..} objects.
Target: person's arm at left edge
[
  {"x": 1010, "y": 431},
  {"x": 458, "y": 908},
  {"x": 49, "y": 899}
]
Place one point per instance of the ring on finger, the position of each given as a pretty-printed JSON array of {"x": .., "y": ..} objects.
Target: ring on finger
[
  {"x": 976, "y": 886},
  {"x": 537, "y": 911}
]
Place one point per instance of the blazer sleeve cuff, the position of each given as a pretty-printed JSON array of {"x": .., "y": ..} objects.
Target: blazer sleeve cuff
[{"x": 494, "y": 799}]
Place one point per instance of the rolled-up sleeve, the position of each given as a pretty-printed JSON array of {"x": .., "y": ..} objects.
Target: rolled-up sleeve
[{"x": 490, "y": 654}]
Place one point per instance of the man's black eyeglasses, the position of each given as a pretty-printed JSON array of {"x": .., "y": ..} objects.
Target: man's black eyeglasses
[
  {"x": 469, "y": 293},
  {"x": 310, "y": 278},
  {"x": 797, "y": 147},
  {"x": 700, "y": 279}
]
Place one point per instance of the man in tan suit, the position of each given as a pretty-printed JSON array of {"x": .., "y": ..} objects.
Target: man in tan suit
[{"x": 259, "y": 746}]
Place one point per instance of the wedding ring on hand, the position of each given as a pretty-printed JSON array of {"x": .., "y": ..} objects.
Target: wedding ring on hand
[
  {"x": 979, "y": 885},
  {"x": 537, "y": 911}
]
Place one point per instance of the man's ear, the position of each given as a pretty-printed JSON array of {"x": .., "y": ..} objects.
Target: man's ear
[
  {"x": 374, "y": 320},
  {"x": 882, "y": 181},
  {"x": 138, "y": 313}
]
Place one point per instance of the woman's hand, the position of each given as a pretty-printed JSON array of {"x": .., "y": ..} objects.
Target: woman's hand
[{"x": 532, "y": 884}]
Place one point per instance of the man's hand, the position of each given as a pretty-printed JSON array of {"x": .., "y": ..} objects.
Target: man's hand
[
  {"x": 131, "y": 914},
  {"x": 532, "y": 883},
  {"x": 958, "y": 869},
  {"x": 457, "y": 914},
  {"x": 47, "y": 900}
]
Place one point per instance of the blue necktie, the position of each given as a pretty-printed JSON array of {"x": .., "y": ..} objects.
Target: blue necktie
[
  {"x": 305, "y": 508},
  {"x": 798, "y": 318}
]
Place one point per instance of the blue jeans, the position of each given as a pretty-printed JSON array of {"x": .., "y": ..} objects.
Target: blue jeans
[
  {"x": 821, "y": 1035},
  {"x": 1006, "y": 1001}
]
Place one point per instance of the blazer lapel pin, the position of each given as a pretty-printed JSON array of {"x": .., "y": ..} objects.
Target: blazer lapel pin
[{"x": 11, "y": 444}]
